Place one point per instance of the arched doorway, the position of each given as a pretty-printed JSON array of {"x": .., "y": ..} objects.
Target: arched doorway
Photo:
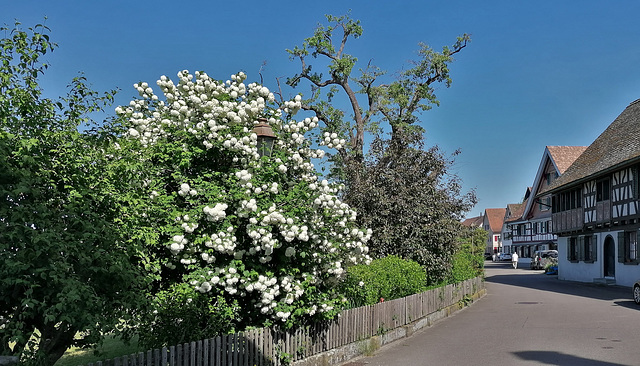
[{"x": 609, "y": 259}]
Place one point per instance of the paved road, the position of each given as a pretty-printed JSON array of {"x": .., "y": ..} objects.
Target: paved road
[{"x": 528, "y": 318}]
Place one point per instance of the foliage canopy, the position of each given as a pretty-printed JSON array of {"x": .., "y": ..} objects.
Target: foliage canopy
[
  {"x": 67, "y": 266},
  {"x": 405, "y": 193},
  {"x": 415, "y": 211}
]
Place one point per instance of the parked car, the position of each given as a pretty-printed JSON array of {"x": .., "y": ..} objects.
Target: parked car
[
  {"x": 636, "y": 292},
  {"x": 488, "y": 256},
  {"x": 504, "y": 257},
  {"x": 541, "y": 257}
]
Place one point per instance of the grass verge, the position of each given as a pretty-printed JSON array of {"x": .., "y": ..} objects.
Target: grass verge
[{"x": 111, "y": 347}]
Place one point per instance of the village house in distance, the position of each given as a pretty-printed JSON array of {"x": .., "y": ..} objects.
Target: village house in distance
[
  {"x": 513, "y": 214},
  {"x": 492, "y": 224},
  {"x": 595, "y": 211},
  {"x": 585, "y": 203},
  {"x": 527, "y": 225}
]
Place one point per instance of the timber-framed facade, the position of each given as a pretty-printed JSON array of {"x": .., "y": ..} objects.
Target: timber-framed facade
[
  {"x": 533, "y": 229},
  {"x": 595, "y": 207}
]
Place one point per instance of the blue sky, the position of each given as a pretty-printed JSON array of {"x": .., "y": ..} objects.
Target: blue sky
[{"x": 535, "y": 74}]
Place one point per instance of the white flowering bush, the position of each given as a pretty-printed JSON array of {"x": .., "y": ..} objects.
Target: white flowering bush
[{"x": 264, "y": 231}]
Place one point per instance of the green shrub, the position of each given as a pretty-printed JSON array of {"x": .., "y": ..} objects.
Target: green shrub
[
  {"x": 465, "y": 266},
  {"x": 468, "y": 260},
  {"x": 387, "y": 278},
  {"x": 183, "y": 314}
]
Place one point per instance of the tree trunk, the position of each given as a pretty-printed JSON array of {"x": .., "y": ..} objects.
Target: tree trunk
[{"x": 53, "y": 344}]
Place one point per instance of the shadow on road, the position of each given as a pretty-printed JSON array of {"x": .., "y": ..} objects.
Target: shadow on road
[
  {"x": 503, "y": 274},
  {"x": 558, "y": 358}
]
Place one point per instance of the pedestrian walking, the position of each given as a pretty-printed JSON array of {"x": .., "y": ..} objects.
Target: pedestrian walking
[{"x": 514, "y": 260}]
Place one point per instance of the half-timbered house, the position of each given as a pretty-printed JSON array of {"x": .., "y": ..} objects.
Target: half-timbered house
[
  {"x": 513, "y": 213},
  {"x": 532, "y": 230},
  {"x": 595, "y": 207}
]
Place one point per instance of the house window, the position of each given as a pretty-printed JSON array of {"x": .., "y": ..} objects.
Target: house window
[
  {"x": 572, "y": 200},
  {"x": 544, "y": 204},
  {"x": 547, "y": 204},
  {"x": 587, "y": 248},
  {"x": 572, "y": 253},
  {"x": 544, "y": 227},
  {"x": 628, "y": 247},
  {"x": 579, "y": 197},
  {"x": 602, "y": 190}
]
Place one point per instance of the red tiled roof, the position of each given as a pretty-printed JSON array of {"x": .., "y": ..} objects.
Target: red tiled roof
[
  {"x": 561, "y": 157},
  {"x": 473, "y": 221},
  {"x": 495, "y": 217},
  {"x": 564, "y": 156}
]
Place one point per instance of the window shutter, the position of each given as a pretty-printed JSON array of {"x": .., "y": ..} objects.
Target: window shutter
[
  {"x": 580, "y": 248},
  {"x": 621, "y": 247},
  {"x": 636, "y": 260},
  {"x": 569, "y": 249},
  {"x": 594, "y": 246}
]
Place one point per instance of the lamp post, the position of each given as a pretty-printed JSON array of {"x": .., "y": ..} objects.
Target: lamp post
[{"x": 266, "y": 137}]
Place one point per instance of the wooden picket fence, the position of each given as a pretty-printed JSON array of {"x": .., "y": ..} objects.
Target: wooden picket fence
[{"x": 272, "y": 347}]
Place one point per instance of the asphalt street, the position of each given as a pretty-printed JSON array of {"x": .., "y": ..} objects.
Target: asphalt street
[{"x": 527, "y": 318}]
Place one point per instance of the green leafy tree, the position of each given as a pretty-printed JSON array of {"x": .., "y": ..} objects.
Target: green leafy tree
[
  {"x": 66, "y": 266},
  {"x": 404, "y": 192},
  {"x": 395, "y": 104}
]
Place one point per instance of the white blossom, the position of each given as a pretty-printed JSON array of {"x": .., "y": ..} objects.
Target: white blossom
[{"x": 246, "y": 219}]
